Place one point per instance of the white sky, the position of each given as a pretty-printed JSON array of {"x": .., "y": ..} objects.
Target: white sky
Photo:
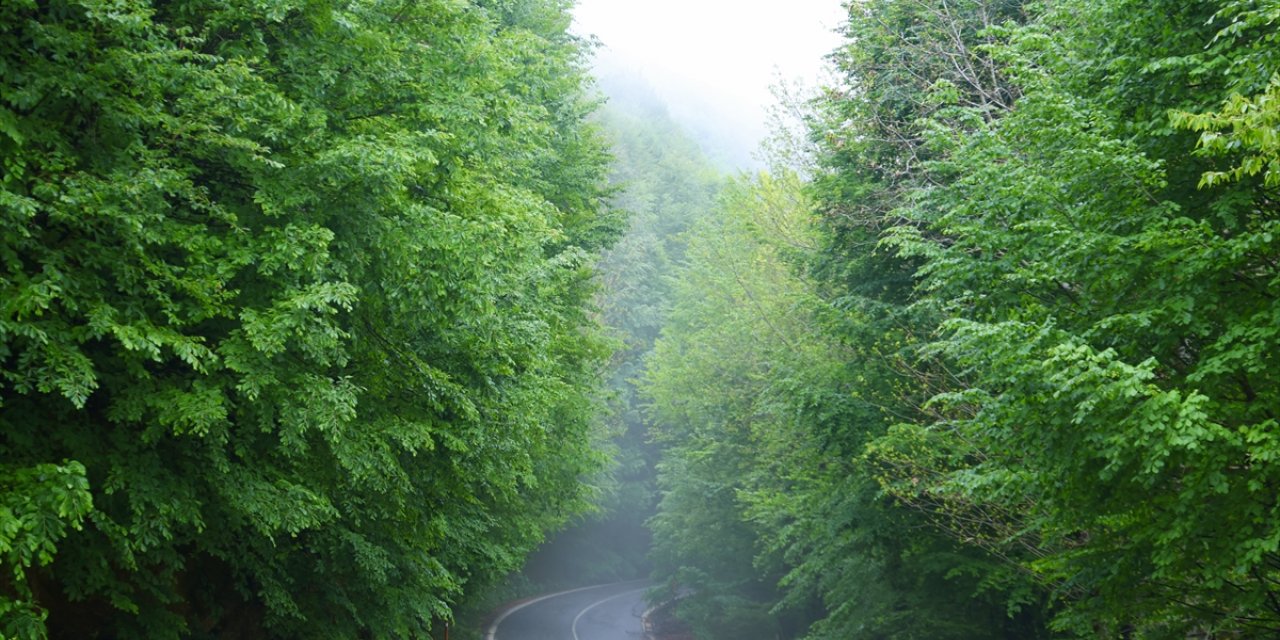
[{"x": 713, "y": 61}]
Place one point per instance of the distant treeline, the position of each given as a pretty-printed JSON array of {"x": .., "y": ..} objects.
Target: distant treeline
[
  {"x": 296, "y": 335},
  {"x": 664, "y": 183},
  {"x": 997, "y": 358}
]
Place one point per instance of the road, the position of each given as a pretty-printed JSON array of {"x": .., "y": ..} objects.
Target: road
[{"x": 607, "y": 612}]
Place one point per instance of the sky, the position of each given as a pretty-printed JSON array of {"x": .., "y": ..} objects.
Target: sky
[{"x": 713, "y": 61}]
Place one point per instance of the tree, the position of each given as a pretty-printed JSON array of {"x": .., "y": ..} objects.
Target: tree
[
  {"x": 1095, "y": 413},
  {"x": 296, "y": 337},
  {"x": 664, "y": 183}
]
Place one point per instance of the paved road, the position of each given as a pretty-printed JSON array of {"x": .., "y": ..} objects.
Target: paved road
[{"x": 608, "y": 612}]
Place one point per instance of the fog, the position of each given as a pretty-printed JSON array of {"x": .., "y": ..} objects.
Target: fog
[{"x": 713, "y": 61}]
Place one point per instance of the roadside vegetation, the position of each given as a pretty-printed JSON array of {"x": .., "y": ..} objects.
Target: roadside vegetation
[
  {"x": 318, "y": 318},
  {"x": 295, "y": 311},
  {"x": 994, "y": 359}
]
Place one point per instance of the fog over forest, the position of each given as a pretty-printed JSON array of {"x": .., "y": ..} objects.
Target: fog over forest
[{"x": 713, "y": 62}]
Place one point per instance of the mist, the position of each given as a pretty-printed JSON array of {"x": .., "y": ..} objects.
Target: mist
[{"x": 712, "y": 62}]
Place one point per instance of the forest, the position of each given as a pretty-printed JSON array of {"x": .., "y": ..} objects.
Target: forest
[
  {"x": 993, "y": 357},
  {"x": 327, "y": 318}
]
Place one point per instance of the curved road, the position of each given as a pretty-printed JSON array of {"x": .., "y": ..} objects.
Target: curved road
[{"x": 606, "y": 612}]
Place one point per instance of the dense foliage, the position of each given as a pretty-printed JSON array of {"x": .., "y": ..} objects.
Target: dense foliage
[
  {"x": 1021, "y": 382},
  {"x": 299, "y": 335},
  {"x": 765, "y": 397},
  {"x": 294, "y": 329}
]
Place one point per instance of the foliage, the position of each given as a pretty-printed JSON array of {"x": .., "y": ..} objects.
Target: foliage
[
  {"x": 767, "y": 521},
  {"x": 664, "y": 183},
  {"x": 1019, "y": 383},
  {"x": 737, "y": 310},
  {"x": 1096, "y": 394},
  {"x": 299, "y": 291}
]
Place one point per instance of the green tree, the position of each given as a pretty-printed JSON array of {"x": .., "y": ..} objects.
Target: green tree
[
  {"x": 769, "y": 519},
  {"x": 1099, "y": 395},
  {"x": 739, "y": 315},
  {"x": 295, "y": 335},
  {"x": 664, "y": 183}
]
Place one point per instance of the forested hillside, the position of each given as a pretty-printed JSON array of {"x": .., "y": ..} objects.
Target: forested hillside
[
  {"x": 999, "y": 363},
  {"x": 295, "y": 311}
]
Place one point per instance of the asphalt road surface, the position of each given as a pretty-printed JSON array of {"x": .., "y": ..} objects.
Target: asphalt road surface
[{"x": 607, "y": 612}]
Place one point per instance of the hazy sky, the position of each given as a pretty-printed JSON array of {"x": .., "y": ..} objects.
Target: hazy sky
[{"x": 713, "y": 61}]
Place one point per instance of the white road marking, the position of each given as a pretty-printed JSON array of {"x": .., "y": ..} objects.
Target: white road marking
[
  {"x": 491, "y": 634},
  {"x": 597, "y": 603}
]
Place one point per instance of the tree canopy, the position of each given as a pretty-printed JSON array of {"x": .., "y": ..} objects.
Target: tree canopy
[
  {"x": 296, "y": 335},
  {"x": 1032, "y": 392},
  {"x": 301, "y": 312}
]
